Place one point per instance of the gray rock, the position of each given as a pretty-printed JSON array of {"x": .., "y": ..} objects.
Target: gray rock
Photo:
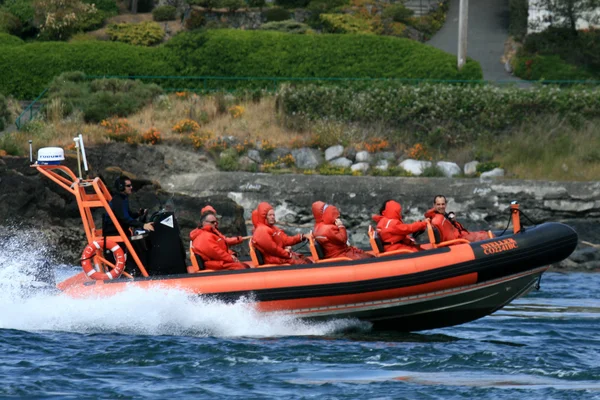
[
  {"x": 254, "y": 155},
  {"x": 495, "y": 173},
  {"x": 449, "y": 169},
  {"x": 470, "y": 168},
  {"x": 415, "y": 167},
  {"x": 307, "y": 158},
  {"x": 585, "y": 255},
  {"x": 383, "y": 165},
  {"x": 363, "y": 156},
  {"x": 246, "y": 163},
  {"x": 385, "y": 155},
  {"x": 341, "y": 162},
  {"x": 334, "y": 152},
  {"x": 351, "y": 153},
  {"x": 361, "y": 166}
]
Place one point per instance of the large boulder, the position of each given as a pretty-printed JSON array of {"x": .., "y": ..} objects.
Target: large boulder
[{"x": 307, "y": 158}]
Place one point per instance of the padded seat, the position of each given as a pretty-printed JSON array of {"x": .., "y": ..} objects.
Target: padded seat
[
  {"x": 378, "y": 247},
  {"x": 317, "y": 253}
]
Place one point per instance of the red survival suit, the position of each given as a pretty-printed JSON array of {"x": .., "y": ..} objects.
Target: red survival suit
[
  {"x": 271, "y": 241},
  {"x": 450, "y": 230},
  {"x": 333, "y": 238},
  {"x": 211, "y": 246},
  {"x": 393, "y": 232},
  {"x": 231, "y": 241}
]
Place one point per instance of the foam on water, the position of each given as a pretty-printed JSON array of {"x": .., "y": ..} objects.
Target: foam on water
[{"x": 134, "y": 311}]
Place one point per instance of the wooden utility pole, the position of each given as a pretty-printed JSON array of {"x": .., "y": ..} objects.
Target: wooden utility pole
[{"x": 463, "y": 22}]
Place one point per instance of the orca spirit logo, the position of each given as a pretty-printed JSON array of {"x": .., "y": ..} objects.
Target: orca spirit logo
[
  {"x": 499, "y": 246},
  {"x": 168, "y": 221}
]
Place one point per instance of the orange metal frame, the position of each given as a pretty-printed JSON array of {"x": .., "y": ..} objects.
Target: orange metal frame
[{"x": 88, "y": 201}]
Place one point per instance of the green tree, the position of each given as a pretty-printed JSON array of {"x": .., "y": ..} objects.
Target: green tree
[{"x": 566, "y": 13}]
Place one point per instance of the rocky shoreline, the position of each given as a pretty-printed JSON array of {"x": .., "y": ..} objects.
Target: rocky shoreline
[{"x": 188, "y": 180}]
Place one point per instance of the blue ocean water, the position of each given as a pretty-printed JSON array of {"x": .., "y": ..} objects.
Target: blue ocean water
[{"x": 162, "y": 344}]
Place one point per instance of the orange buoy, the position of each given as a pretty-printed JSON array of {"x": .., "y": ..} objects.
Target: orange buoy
[{"x": 90, "y": 251}]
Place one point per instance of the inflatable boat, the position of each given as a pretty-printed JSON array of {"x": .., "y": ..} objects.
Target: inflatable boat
[{"x": 449, "y": 283}]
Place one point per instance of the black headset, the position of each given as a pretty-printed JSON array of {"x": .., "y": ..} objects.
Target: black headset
[{"x": 120, "y": 183}]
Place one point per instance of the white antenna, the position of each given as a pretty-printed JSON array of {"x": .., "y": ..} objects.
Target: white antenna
[
  {"x": 85, "y": 166},
  {"x": 76, "y": 140},
  {"x": 30, "y": 151}
]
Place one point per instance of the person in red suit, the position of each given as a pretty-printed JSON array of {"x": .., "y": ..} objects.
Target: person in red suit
[
  {"x": 273, "y": 242},
  {"x": 332, "y": 236},
  {"x": 210, "y": 245},
  {"x": 231, "y": 241},
  {"x": 447, "y": 224},
  {"x": 393, "y": 231}
]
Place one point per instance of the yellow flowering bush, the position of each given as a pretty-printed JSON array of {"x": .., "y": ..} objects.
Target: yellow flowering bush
[
  {"x": 201, "y": 137},
  {"x": 151, "y": 136},
  {"x": 119, "y": 130},
  {"x": 236, "y": 111},
  {"x": 419, "y": 152},
  {"x": 244, "y": 146},
  {"x": 267, "y": 146},
  {"x": 216, "y": 145},
  {"x": 186, "y": 126},
  {"x": 376, "y": 144}
]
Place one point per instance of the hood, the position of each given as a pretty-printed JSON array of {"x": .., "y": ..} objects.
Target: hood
[
  {"x": 330, "y": 214},
  {"x": 194, "y": 234},
  {"x": 393, "y": 210},
  {"x": 261, "y": 211},
  {"x": 317, "y": 210},
  {"x": 207, "y": 209},
  {"x": 255, "y": 218}
]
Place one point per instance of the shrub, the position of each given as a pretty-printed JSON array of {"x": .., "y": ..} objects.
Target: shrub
[
  {"x": 142, "y": 34},
  {"x": 487, "y": 166},
  {"x": 345, "y": 23},
  {"x": 24, "y": 11},
  {"x": 186, "y": 126},
  {"x": 4, "y": 113},
  {"x": 200, "y": 138},
  {"x": 100, "y": 99},
  {"x": 256, "y": 3},
  {"x": 208, "y": 4},
  {"x": 288, "y": 26},
  {"x": 119, "y": 130},
  {"x": 164, "y": 13},
  {"x": 276, "y": 14},
  {"x": 398, "y": 12},
  {"x": 109, "y": 7},
  {"x": 236, "y": 111},
  {"x": 82, "y": 37},
  {"x": 9, "y": 23},
  {"x": 10, "y": 40},
  {"x": 292, "y": 3},
  {"x": 228, "y": 162},
  {"x": 151, "y": 136},
  {"x": 59, "y": 19},
  {"x": 195, "y": 20},
  {"x": 233, "y": 5},
  {"x": 328, "y": 169}
]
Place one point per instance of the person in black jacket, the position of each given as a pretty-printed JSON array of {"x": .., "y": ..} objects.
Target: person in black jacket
[{"x": 120, "y": 207}]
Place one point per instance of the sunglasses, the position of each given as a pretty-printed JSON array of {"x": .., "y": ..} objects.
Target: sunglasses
[
  {"x": 211, "y": 222},
  {"x": 128, "y": 185}
]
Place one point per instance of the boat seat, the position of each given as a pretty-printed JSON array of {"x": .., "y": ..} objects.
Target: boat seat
[
  {"x": 377, "y": 245},
  {"x": 435, "y": 237},
  {"x": 197, "y": 263},
  {"x": 257, "y": 256},
  {"x": 317, "y": 253}
]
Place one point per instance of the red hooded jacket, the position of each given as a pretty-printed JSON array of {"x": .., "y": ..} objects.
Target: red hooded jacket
[
  {"x": 453, "y": 230},
  {"x": 317, "y": 210},
  {"x": 334, "y": 239},
  {"x": 393, "y": 232},
  {"x": 212, "y": 248},
  {"x": 271, "y": 241},
  {"x": 231, "y": 241}
]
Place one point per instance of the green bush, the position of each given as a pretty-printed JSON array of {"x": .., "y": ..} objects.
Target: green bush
[
  {"x": 552, "y": 68},
  {"x": 276, "y": 14},
  {"x": 10, "y": 40},
  {"x": 90, "y": 22},
  {"x": 398, "y": 12},
  {"x": 101, "y": 98},
  {"x": 228, "y": 161},
  {"x": 24, "y": 11},
  {"x": 288, "y": 26},
  {"x": 256, "y": 3},
  {"x": 164, "y": 13},
  {"x": 4, "y": 113},
  {"x": 292, "y": 3},
  {"x": 487, "y": 166},
  {"x": 142, "y": 34},
  {"x": 233, "y": 5},
  {"x": 208, "y": 4},
  {"x": 9, "y": 23},
  {"x": 345, "y": 23},
  {"x": 46, "y": 60},
  {"x": 439, "y": 115}
]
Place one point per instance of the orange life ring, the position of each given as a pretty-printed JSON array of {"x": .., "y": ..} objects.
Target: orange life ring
[{"x": 90, "y": 251}]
